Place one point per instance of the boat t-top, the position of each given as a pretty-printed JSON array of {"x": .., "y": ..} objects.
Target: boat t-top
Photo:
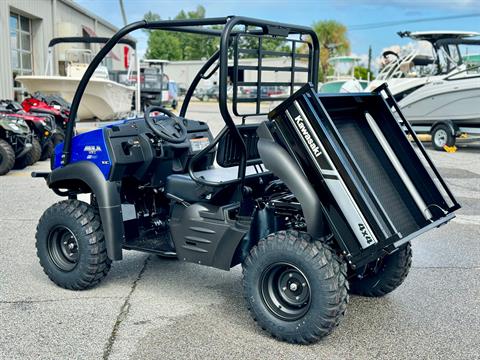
[{"x": 343, "y": 78}]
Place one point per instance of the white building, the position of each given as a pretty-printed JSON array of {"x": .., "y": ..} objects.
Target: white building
[
  {"x": 27, "y": 26},
  {"x": 183, "y": 72}
]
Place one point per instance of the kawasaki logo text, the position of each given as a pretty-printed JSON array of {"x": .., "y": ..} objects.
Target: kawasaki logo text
[{"x": 306, "y": 135}]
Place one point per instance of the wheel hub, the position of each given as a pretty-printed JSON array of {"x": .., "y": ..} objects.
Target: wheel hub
[
  {"x": 63, "y": 248},
  {"x": 285, "y": 291},
  {"x": 441, "y": 137}
]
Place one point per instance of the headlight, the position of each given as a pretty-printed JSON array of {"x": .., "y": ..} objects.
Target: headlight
[{"x": 21, "y": 122}]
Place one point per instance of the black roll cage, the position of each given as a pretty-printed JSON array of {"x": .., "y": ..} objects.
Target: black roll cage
[
  {"x": 197, "y": 26},
  {"x": 89, "y": 40}
]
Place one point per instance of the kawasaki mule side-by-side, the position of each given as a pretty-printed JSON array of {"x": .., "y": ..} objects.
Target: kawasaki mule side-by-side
[{"x": 315, "y": 199}]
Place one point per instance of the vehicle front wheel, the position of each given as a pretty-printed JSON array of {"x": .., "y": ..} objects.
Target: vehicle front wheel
[
  {"x": 58, "y": 138},
  {"x": 7, "y": 157},
  {"x": 385, "y": 276},
  {"x": 47, "y": 150},
  {"x": 295, "y": 289},
  {"x": 30, "y": 157},
  {"x": 71, "y": 246}
]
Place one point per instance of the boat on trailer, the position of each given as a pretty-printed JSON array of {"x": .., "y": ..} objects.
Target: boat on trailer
[
  {"x": 438, "y": 94},
  {"x": 104, "y": 98}
]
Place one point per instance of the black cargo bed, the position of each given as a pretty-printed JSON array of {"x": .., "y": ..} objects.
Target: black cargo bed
[{"x": 375, "y": 187}]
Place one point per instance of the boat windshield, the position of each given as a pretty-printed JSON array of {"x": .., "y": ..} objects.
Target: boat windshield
[{"x": 425, "y": 58}]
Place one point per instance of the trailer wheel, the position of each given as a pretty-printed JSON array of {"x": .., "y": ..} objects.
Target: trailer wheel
[
  {"x": 387, "y": 276},
  {"x": 295, "y": 289},
  {"x": 7, "y": 157},
  {"x": 30, "y": 157},
  {"x": 47, "y": 150},
  {"x": 71, "y": 246},
  {"x": 441, "y": 137}
]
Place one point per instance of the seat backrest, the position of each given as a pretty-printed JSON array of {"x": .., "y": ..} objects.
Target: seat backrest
[{"x": 228, "y": 151}]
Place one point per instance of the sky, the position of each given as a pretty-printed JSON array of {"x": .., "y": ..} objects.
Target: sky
[{"x": 363, "y": 18}]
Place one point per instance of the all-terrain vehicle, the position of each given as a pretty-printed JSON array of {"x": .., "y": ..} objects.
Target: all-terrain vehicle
[
  {"x": 43, "y": 128},
  {"x": 315, "y": 199},
  {"x": 49, "y": 105},
  {"x": 15, "y": 143}
]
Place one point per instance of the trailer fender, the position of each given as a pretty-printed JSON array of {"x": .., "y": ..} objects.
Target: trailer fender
[
  {"x": 277, "y": 160},
  {"x": 89, "y": 178},
  {"x": 454, "y": 130}
]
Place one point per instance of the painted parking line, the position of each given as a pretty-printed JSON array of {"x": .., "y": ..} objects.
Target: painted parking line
[{"x": 467, "y": 219}]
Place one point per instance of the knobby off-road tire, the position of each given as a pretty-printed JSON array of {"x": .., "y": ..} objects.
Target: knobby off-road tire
[
  {"x": 58, "y": 138},
  {"x": 30, "y": 157},
  {"x": 295, "y": 289},
  {"x": 71, "y": 246},
  {"x": 390, "y": 275},
  {"x": 7, "y": 157},
  {"x": 47, "y": 150}
]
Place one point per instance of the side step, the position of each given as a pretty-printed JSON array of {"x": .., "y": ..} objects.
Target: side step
[{"x": 159, "y": 245}]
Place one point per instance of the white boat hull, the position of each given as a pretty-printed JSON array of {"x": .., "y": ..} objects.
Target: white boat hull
[
  {"x": 103, "y": 99},
  {"x": 436, "y": 98}
]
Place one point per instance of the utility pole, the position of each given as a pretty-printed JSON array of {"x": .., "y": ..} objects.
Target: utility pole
[
  {"x": 369, "y": 62},
  {"x": 122, "y": 10}
]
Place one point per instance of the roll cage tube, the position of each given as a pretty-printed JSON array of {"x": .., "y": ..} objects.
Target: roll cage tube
[
  {"x": 88, "y": 40},
  {"x": 200, "y": 75},
  {"x": 193, "y": 26},
  {"x": 268, "y": 27}
]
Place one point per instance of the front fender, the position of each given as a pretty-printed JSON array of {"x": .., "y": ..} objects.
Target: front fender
[{"x": 107, "y": 194}]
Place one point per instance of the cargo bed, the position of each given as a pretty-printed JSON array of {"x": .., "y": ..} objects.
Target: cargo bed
[{"x": 377, "y": 190}]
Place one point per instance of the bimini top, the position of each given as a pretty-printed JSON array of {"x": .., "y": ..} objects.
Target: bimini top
[{"x": 433, "y": 36}]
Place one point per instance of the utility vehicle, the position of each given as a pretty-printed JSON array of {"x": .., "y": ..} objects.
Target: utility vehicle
[
  {"x": 49, "y": 105},
  {"x": 322, "y": 192},
  {"x": 15, "y": 143},
  {"x": 42, "y": 127}
]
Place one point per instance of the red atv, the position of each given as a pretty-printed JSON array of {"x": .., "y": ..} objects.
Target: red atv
[
  {"x": 53, "y": 105},
  {"x": 42, "y": 126}
]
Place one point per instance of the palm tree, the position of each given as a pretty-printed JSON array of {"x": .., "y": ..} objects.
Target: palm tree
[{"x": 333, "y": 39}]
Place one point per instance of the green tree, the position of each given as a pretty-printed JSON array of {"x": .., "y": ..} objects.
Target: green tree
[
  {"x": 333, "y": 39},
  {"x": 182, "y": 46},
  {"x": 179, "y": 46},
  {"x": 361, "y": 73}
]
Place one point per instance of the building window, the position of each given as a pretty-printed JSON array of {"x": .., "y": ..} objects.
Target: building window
[{"x": 20, "y": 49}]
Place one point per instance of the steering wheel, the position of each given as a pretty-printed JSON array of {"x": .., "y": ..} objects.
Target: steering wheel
[
  {"x": 386, "y": 53},
  {"x": 170, "y": 129}
]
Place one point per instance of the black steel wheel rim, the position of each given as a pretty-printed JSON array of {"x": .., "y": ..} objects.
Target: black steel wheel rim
[
  {"x": 63, "y": 248},
  {"x": 285, "y": 291}
]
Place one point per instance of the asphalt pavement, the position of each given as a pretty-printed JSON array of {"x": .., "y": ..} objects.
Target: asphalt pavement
[{"x": 152, "y": 308}]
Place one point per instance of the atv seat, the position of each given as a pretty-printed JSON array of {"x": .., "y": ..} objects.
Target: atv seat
[
  {"x": 184, "y": 187},
  {"x": 228, "y": 158}
]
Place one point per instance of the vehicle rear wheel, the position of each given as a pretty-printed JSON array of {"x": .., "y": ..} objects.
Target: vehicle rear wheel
[
  {"x": 295, "y": 289},
  {"x": 387, "y": 275},
  {"x": 71, "y": 245},
  {"x": 30, "y": 157},
  {"x": 47, "y": 150},
  {"x": 7, "y": 157},
  {"x": 441, "y": 137}
]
